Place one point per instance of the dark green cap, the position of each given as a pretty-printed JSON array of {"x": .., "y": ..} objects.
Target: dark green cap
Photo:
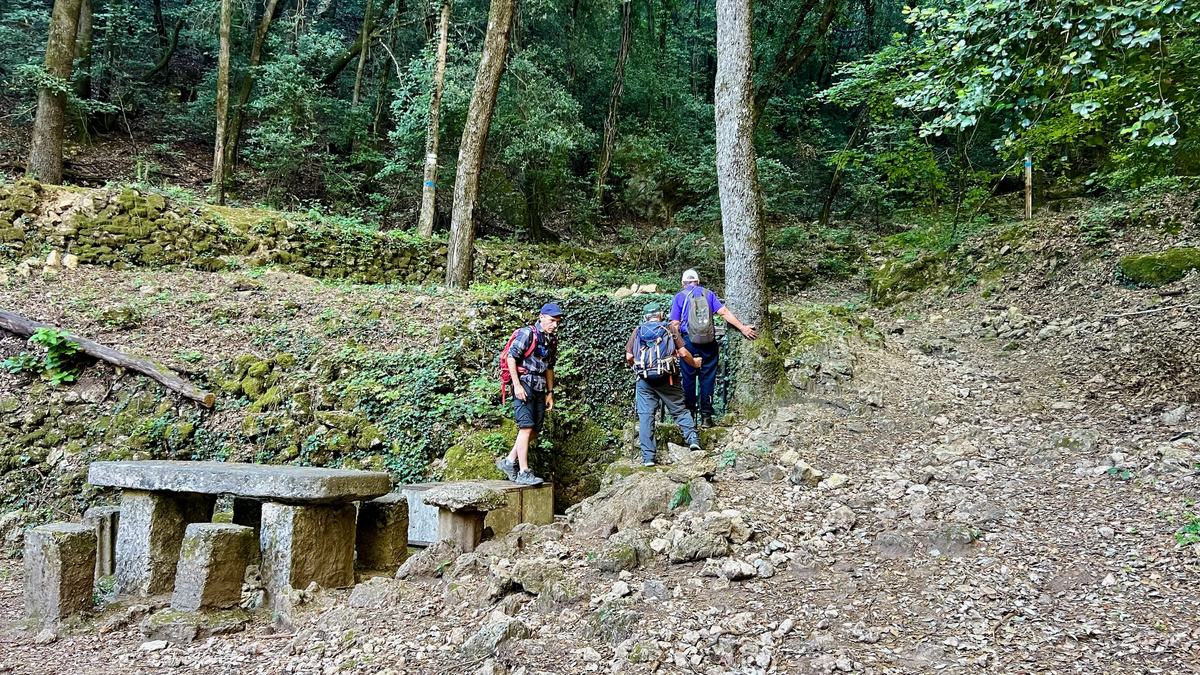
[{"x": 651, "y": 308}]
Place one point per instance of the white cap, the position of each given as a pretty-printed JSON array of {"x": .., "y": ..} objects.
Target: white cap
[{"x": 690, "y": 276}]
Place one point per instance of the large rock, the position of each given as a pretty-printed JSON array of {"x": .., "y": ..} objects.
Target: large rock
[
  {"x": 493, "y": 636},
  {"x": 60, "y": 561},
  {"x": 698, "y": 546},
  {"x": 634, "y": 500},
  {"x": 431, "y": 561},
  {"x": 261, "y": 481},
  {"x": 212, "y": 566}
]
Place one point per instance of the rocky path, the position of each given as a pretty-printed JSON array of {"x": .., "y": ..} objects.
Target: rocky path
[{"x": 963, "y": 503}]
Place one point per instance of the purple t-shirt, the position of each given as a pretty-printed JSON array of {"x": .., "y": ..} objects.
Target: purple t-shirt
[{"x": 679, "y": 305}]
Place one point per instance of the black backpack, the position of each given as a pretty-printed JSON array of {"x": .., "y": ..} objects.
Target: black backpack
[{"x": 700, "y": 328}]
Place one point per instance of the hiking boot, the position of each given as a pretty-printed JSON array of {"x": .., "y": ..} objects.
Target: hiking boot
[
  {"x": 648, "y": 463},
  {"x": 527, "y": 478},
  {"x": 707, "y": 422},
  {"x": 694, "y": 447},
  {"x": 507, "y": 467}
]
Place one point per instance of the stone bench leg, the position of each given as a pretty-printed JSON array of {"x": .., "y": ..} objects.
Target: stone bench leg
[
  {"x": 60, "y": 561},
  {"x": 150, "y": 535},
  {"x": 212, "y": 566},
  {"x": 305, "y": 544},
  {"x": 105, "y": 520},
  {"x": 464, "y": 527},
  {"x": 382, "y": 538}
]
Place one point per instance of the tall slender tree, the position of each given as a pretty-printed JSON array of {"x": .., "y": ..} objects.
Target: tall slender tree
[
  {"x": 614, "y": 101},
  {"x": 474, "y": 140},
  {"x": 45, "y": 153},
  {"x": 218, "y": 169},
  {"x": 246, "y": 84},
  {"x": 737, "y": 186},
  {"x": 429, "y": 185},
  {"x": 83, "y": 51},
  {"x": 365, "y": 39}
]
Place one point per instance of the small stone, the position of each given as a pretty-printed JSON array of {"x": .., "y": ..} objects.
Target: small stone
[
  {"x": 53, "y": 259},
  {"x": 841, "y": 519},
  {"x": 804, "y": 474},
  {"x": 834, "y": 481},
  {"x": 153, "y": 646},
  {"x": 737, "y": 570},
  {"x": 46, "y": 636},
  {"x": 765, "y": 569},
  {"x": 620, "y": 590},
  {"x": 70, "y": 261},
  {"x": 653, "y": 588}
]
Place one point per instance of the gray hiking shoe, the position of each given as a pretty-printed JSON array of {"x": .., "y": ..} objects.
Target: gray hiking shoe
[
  {"x": 694, "y": 447},
  {"x": 508, "y": 468},
  {"x": 527, "y": 478}
]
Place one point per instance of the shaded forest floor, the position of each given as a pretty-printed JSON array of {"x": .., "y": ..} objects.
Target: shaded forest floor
[{"x": 1022, "y": 476}]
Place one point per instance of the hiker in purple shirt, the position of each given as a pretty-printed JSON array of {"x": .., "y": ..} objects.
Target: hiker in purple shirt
[{"x": 692, "y": 313}]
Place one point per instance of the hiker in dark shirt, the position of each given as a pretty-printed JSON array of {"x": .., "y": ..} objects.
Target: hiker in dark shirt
[
  {"x": 529, "y": 361},
  {"x": 692, "y": 314},
  {"x": 654, "y": 350}
]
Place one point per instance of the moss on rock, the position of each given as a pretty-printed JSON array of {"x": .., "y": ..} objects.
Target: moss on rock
[
  {"x": 1150, "y": 270},
  {"x": 897, "y": 279},
  {"x": 474, "y": 457}
]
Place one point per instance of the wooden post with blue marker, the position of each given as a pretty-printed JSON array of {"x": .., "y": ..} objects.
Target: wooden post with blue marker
[{"x": 1028, "y": 187}]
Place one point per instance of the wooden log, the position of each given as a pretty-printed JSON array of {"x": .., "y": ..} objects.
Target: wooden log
[{"x": 23, "y": 327}]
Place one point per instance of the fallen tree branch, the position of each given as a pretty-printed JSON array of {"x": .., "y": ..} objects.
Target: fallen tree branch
[{"x": 23, "y": 327}]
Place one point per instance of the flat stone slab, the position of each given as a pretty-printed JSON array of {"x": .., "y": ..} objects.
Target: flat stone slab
[
  {"x": 260, "y": 481},
  {"x": 458, "y": 497}
]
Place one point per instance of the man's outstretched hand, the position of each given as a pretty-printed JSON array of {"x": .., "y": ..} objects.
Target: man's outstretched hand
[{"x": 750, "y": 332}]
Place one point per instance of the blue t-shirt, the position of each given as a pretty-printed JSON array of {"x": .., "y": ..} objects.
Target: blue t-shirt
[{"x": 679, "y": 304}]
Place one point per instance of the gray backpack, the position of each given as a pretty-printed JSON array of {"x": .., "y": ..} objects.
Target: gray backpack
[{"x": 701, "y": 330}]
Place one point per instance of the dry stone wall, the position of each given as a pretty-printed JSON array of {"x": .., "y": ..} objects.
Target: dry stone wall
[{"x": 130, "y": 227}]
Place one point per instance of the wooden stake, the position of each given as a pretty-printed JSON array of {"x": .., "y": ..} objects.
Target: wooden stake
[{"x": 1028, "y": 187}]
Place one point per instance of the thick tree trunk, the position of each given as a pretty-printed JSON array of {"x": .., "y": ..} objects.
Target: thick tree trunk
[
  {"x": 614, "y": 101},
  {"x": 23, "y": 327},
  {"x": 474, "y": 141},
  {"x": 737, "y": 185},
  {"x": 365, "y": 40},
  {"x": 45, "y": 154},
  {"x": 234, "y": 134},
  {"x": 83, "y": 51},
  {"x": 429, "y": 185},
  {"x": 218, "y": 170}
]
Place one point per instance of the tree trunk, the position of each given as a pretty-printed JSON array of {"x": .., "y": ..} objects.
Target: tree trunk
[
  {"x": 737, "y": 185},
  {"x": 160, "y": 26},
  {"x": 339, "y": 64},
  {"x": 83, "y": 51},
  {"x": 45, "y": 154},
  {"x": 835, "y": 183},
  {"x": 794, "y": 53},
  {"x": 365, "y": 41},
  {"x": 429, "y": 186},
  {"x": 218, "y": 170},
  {"x": 614, "y": 102},
  {"x": 474, "y": 141},
  {"x": 234, "y": 135}
]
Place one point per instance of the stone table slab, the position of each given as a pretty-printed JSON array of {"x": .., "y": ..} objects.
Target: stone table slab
[{"x": 299, "y": 484}]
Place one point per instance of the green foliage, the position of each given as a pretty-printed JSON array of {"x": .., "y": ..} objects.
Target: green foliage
[
  {"x": 1151, "y": 270},
  {"x": 682, "y": 497},
  {"x": 59, "y": 364},
  {"x": 1188, "y": 533}
]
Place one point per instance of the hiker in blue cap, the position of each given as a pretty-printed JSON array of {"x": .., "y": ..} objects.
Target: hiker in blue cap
[
  {"x": 655, "y": 350},
  {"x": 527, "y": 364}
]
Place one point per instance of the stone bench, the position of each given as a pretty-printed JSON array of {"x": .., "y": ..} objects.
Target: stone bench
[
  {"x": 525, "y": 504},
  {"x": 305, "y": 517}
]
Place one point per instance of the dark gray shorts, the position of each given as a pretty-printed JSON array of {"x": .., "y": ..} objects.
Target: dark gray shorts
[{"x": 531, "y": 412}]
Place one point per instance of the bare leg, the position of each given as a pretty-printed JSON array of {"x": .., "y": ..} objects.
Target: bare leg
[{"x": 520, "y": 451}]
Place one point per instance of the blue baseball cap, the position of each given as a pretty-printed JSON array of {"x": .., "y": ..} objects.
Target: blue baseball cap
[{"x": 551, "y": 309}]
